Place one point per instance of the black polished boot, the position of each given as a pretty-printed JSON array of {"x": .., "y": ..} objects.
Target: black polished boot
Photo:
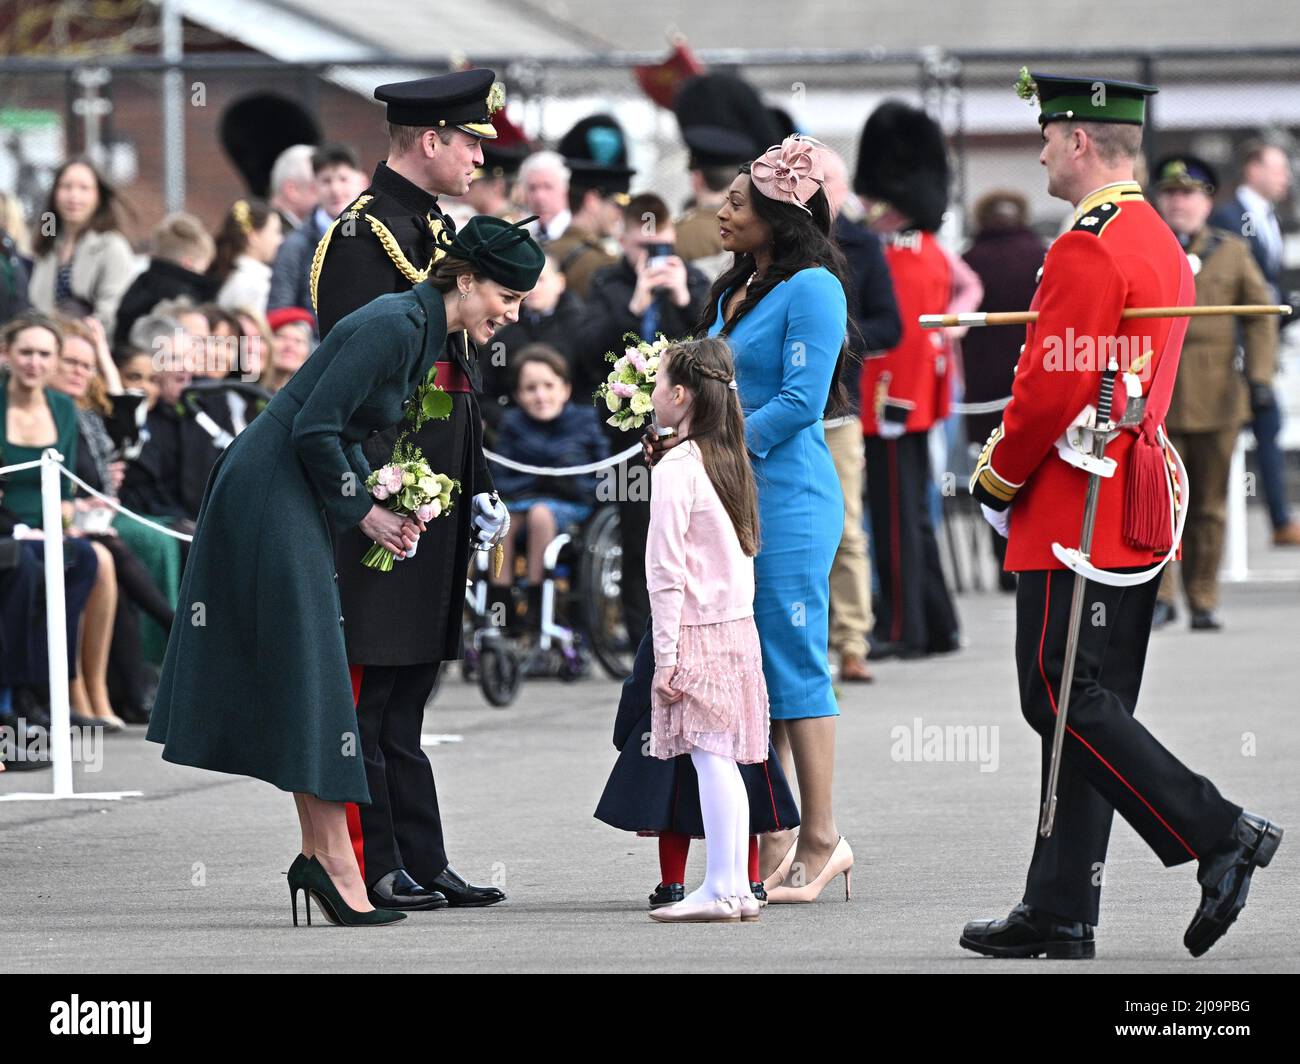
[
  {"x": 398, "y": 890},
  {"x": 462, "y": 894},
  {"x": 1224, "y": 875},
  {"x": 1029, "y": 932},
  {"x": 667, "y": 894}
]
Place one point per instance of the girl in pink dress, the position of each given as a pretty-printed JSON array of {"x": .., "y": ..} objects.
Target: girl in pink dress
[{"x": 709, "y": 698}]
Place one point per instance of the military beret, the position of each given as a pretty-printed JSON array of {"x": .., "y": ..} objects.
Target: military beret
[
  {"x": 1085, "y": 99},
  {"x": 1185, "y": 172},
  {"x": 465, "y": 100}
]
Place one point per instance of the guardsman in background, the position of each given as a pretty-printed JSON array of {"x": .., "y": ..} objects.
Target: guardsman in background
[
  {"x": 723, "y": 123},
  {"x": 1211, "y": 399},
  {"x": 1118, "y": 254},
  {"x": 902, "y": 175},
  {"x": 595, "y": 151},
  {"x": 400, "y": 626}
]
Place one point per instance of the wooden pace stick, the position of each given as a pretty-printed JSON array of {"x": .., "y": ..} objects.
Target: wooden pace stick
[{"x": 1025, "y": 317}]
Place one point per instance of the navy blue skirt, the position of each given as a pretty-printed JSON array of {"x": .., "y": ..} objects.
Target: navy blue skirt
[{"x": 650, "y": 795}]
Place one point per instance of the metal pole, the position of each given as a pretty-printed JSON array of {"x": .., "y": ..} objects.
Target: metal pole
[
  {"x": 173, "y": 105},
  {"x": 56, "y": 631},
  {"x": 1235, "y": 565}
]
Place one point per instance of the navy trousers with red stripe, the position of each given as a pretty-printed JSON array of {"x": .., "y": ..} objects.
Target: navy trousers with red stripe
[
  {"x": 1110, "y": 762},
  {"x": 401, "y": 827},
  {"x": 914, "y": 608}
]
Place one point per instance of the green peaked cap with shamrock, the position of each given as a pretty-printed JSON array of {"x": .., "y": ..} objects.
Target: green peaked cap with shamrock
[{"x": 1084, "y": 99}]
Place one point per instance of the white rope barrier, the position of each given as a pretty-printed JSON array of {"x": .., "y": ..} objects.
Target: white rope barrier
[
  {"x": 567, "y": 471},
  {"x": 123, "y": 510}
]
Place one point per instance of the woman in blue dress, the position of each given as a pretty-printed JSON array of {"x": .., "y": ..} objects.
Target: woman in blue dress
[{"x": 782, "y": 307}]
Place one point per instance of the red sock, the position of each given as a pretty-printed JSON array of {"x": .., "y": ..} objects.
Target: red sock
[
  {"x": 754, "y": 877},
  {"x": 673, "y": 851}
]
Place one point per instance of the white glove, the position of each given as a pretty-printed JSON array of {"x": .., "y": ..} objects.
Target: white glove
[
  {"x": 491, "y": 521},
  {"x": 999, "y": 519},
  {"x": 890, "y": 430}
]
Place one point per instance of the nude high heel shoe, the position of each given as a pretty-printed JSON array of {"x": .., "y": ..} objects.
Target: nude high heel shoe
[
  {"x": 841, "y": 860},
  {"x": 782, "y": 870}
]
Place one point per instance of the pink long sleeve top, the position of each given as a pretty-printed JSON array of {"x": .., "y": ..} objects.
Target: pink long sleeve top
[{"x": 695, "y": 569}]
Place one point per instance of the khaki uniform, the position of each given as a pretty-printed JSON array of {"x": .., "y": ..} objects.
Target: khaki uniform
[
  {"x": 1211, "y": 401},
  {"x": 579, "y": 254}
]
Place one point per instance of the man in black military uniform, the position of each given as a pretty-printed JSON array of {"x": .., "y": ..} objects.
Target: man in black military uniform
[{"x": 400, "y": 626}]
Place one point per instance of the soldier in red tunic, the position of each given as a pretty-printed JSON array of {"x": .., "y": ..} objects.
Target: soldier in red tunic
[
  {"x": 1118, "y": 254},
  {"x": 902, "y": 176}
]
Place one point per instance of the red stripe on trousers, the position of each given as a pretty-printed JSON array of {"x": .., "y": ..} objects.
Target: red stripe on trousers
[
  {"x": 1047, "y": 599},
  {"x": 353, "y": 811},
  {"x": 896, "y": 561}
]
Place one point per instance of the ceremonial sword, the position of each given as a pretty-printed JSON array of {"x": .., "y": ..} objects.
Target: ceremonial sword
[{"x": 1101, "y": 428}]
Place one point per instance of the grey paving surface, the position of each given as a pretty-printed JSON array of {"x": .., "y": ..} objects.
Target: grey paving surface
[{"x": 188, "y": 877}]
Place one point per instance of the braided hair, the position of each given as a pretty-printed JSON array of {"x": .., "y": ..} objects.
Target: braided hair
[{"x": 706, "y": 370}]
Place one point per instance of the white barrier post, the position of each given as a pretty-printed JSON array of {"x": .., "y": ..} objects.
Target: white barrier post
[
  {"x": 1235, "y": 568},
  {"x": 56, "y": 633}
]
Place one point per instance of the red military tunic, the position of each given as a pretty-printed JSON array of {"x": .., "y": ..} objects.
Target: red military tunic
[
  {"x": 1119, "y": 254},
  {"x": 912, "y": 377}
]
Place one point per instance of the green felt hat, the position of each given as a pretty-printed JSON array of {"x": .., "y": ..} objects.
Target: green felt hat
[
  {"x": 1085, "y": 99},
  {"x": 502, "y": 251}
]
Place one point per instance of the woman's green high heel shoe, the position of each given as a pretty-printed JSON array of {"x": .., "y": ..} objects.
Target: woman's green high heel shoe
[
  {"x": 318, "y": 885},
  {"x": 297, "y": 882}
]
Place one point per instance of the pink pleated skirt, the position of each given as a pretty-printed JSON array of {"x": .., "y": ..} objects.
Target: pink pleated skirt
[{"x": 723, "y": 708}]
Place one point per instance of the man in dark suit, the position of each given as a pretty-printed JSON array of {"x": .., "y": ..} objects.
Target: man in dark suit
[
  {"x": 401, "y": 626},
  {"x": 1265, "y": 182}
]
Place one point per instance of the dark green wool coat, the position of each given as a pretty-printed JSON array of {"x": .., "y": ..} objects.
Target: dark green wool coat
[{"x": 255, "y": 680}]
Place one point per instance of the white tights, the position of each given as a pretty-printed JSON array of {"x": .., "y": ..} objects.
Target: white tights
[{"x": 724, "y": 805}]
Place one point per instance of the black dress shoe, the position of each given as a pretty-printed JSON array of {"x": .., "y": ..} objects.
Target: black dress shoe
[
  {"x": 1206, "y": 621},
  {"x": 461, "y": 894},
  {"x": 1028, "y": 932},
  {"x": 1224, "y": 875},
  {"x": 759, "y": 892},
  {"x": 1165, "y": 613},
  {"x": 398, "y": 890},
  {"x": 667, "y": 894}
]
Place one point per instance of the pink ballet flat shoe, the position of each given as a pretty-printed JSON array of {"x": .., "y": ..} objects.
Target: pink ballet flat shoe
[
  {"x": 750, "y": 908},
  {"x": 718, "y": 911}
]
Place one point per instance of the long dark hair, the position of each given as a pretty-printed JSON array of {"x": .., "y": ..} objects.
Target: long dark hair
[
  {"x": 705, "y": 368},
  {"x": 800, "y": 241},
  {"x": 245, "y": 216},
  {"x": 105, "y": 218}
]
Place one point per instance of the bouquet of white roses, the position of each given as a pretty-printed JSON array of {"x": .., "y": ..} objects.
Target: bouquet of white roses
[
  {"x": 408, "y": 486},
  {"x": 626, "y": 392}
]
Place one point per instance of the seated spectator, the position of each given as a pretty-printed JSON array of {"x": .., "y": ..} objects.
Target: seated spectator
[
  {"x": 36, "y": 417},
  {"x": 98, "y": 464},
  {"x": 293, "y": 332},
  {"x": 544, "y": 428},
  {"x": 152, "y": 482},
  {"x": 550, "y": 315},
  {"x": 182, "y": 252},
  {"x": 82, "y": 259},
  {"x": 339, "y": 181},
  {"x": 15, "y": 258},
  {"x": 247, "y": 242}
]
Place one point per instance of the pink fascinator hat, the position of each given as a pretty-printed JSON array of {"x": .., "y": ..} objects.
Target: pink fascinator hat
[{"x": 790, "y": 172}]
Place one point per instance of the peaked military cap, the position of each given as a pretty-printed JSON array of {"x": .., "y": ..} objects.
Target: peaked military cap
[
  {"x": 464, "y": 100},
  {"x": 1085, "y": 99}
]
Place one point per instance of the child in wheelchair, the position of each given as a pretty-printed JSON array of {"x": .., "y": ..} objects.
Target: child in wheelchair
[{"x": 545, "y": 429}]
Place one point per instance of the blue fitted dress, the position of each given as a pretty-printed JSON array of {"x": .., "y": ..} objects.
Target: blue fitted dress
[{"x": 785, "y": 351}]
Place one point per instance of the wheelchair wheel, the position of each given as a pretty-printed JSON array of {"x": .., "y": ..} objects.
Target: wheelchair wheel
[
  {"x": 600, "y": 582},
  {"x": 499, "y": 674}
]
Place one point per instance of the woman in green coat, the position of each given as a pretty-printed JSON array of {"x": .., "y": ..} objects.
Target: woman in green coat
[{"x": 255, "y": 679}]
